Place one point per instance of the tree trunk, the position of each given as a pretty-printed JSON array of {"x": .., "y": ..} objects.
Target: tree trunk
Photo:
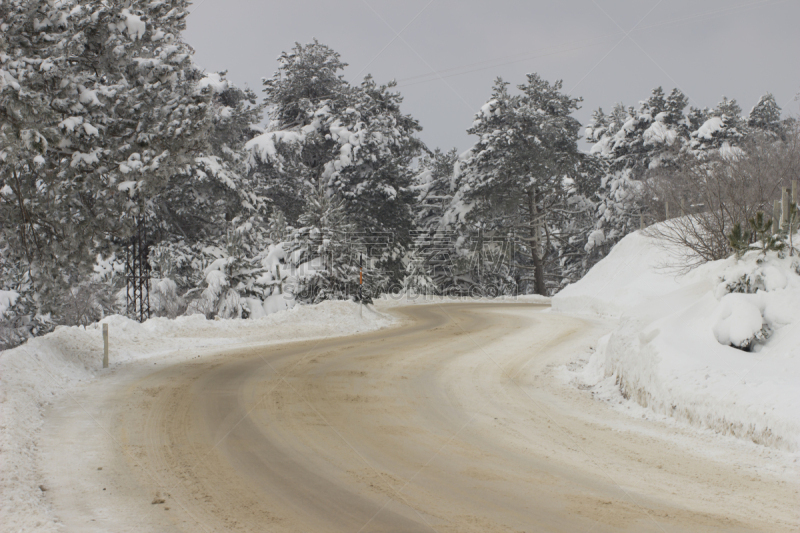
[{"x": 536, "y": 252}]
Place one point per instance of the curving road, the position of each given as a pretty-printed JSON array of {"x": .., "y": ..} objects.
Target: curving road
[{"x": 455, "y": 421}]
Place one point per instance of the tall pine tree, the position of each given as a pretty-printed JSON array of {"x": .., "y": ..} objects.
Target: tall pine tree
[
  {"x": 518, "y": 174},
  {"x": 352, "y": 141},
  {"x": 99, "y": 109}
]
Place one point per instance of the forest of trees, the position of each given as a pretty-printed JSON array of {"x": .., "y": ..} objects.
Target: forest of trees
[{"x": 106, "y": 124}]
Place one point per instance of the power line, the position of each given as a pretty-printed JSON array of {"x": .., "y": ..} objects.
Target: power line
[{"x": 396, "y": 36}]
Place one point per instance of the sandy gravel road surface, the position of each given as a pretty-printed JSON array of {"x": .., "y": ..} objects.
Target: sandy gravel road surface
[{"x": 455, "y": 421}]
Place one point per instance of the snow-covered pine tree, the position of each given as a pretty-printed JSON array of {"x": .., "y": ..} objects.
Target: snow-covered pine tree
[
  {"x": 632, "y": 144},
  {"x": 277, "y": 227},
  {"x": 290, "y": 156},
  {"x": 375, "y": 182},
  {"x": 211, "y": 195},
  {"x": 766, "y": 116},
  {"x": 100, "y": 109},
  {"x": 696, "y": 117},
  {"x": 675, "y": 108},
  {"x": 352, "y": 140},
  {"x": 325, "y": 251},
  {"x": 576, "y": 219},
  {"x": 516, "y": 175},
  {"x": 228, "y": 278},
  {"x": 724, "y": 126},
  {"x": 213, "y": 189},
  {"x": 640, "y": 139},
  {"x": 434, "y": 185},
  {"x": 431, "y": 257}
]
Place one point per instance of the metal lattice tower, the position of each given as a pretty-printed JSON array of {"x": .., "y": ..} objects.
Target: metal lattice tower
[{"x": 137, "y": 274}]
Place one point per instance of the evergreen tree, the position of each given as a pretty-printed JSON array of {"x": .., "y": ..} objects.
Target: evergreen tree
[
  {"x": 99, "y": 109},
  {"x": 723, "y": 127},
  {"x": 632, "y": 145},
  {"x": 353, "y": 141},
  {"x": 514, "y": 178},
  {"x": 637, "y": 140},
  {"x": 576, "y": 219},
  {"x": 434, "y": 186},
  {"x": 763, "y": 232},
  {"x": 212, "y": 189},
  {"x": 675, "y": 106},
  {"x": 740, "y": 239},
  {"x": 195, "y": 213},
  {"x": 326, "y": 250},
  {"x": 291, "y": 155},
  {"x": 766, "y": 116},
  {"x": 697, "y": 117},
  {"x": 432, "y": 255},
  {"x": 277, "y": 228}
]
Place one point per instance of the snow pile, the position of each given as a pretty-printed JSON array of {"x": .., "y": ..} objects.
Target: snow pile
[
  {"x": 264, "y": 145},
  {"x": 660, "y": 132},
  {"x": 738, "y": 322},
  {"x": 7, "y": 300},
  {"x": 631, "y": 274},
  {"x": 133, "y": 23},
  {"x": 412, "y": 297},
  {"x": 45, "y": 369},
  {"x": 213, "y": 81},
  {"x": 718, "y": 347},
  {"x": 710, "y": 127}
]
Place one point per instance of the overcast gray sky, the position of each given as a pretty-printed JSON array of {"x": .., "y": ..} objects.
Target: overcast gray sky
[{"x": 445, "y": 54}]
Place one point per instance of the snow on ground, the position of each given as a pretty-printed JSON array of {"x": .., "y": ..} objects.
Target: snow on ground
[
  {"x": 45, "y": 369},
  {"x": 675, "y": 351},
  {"x": 630, "y": 275}
]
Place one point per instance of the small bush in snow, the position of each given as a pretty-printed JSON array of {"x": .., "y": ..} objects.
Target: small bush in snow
[
  {"x": 752, "y": 296},
  {"x": 767, "y": 236},
  {"x": 747, "y": 283},
  {"x": 740, "y": 323}
]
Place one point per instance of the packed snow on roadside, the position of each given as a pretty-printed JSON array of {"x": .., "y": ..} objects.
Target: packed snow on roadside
[
  {"x": 411, "y": 297},
  {"x": 718, "y": 347},
  {"x": 46, "y": 369}
]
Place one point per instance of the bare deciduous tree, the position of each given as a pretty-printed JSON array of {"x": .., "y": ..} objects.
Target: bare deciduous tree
[{"x": 708, "y": 195}]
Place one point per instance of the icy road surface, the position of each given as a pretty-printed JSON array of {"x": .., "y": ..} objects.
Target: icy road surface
[{"x": 455, "y": 421}]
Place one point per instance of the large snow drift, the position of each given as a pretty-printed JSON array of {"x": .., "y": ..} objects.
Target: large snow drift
[
  {"x": 718, "y": 347},
  {"x": 46, "y": 369}
]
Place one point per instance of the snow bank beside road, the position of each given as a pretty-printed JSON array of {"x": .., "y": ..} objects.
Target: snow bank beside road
[
  {"x": 46, "y": 369},
  {"x": 672, "y": 351},
  {"x": 631, "y": 274},
  {"x": 386, "y": 301}
]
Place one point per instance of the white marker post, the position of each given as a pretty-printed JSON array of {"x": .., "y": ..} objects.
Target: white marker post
[
  {"x": 776, "y": 216},
  {"x": 105, "y": 345},
  {"x": 785, "y": 208}
]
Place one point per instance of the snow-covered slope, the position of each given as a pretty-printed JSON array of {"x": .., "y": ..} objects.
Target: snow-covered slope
[
  {"x": 46, "y": 369},
  {"x": 673, "y": 351},
  {"x": 633, "y": 273}
]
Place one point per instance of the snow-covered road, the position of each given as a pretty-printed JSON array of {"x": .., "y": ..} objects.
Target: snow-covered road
[{"x": 456, "y": 420}]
